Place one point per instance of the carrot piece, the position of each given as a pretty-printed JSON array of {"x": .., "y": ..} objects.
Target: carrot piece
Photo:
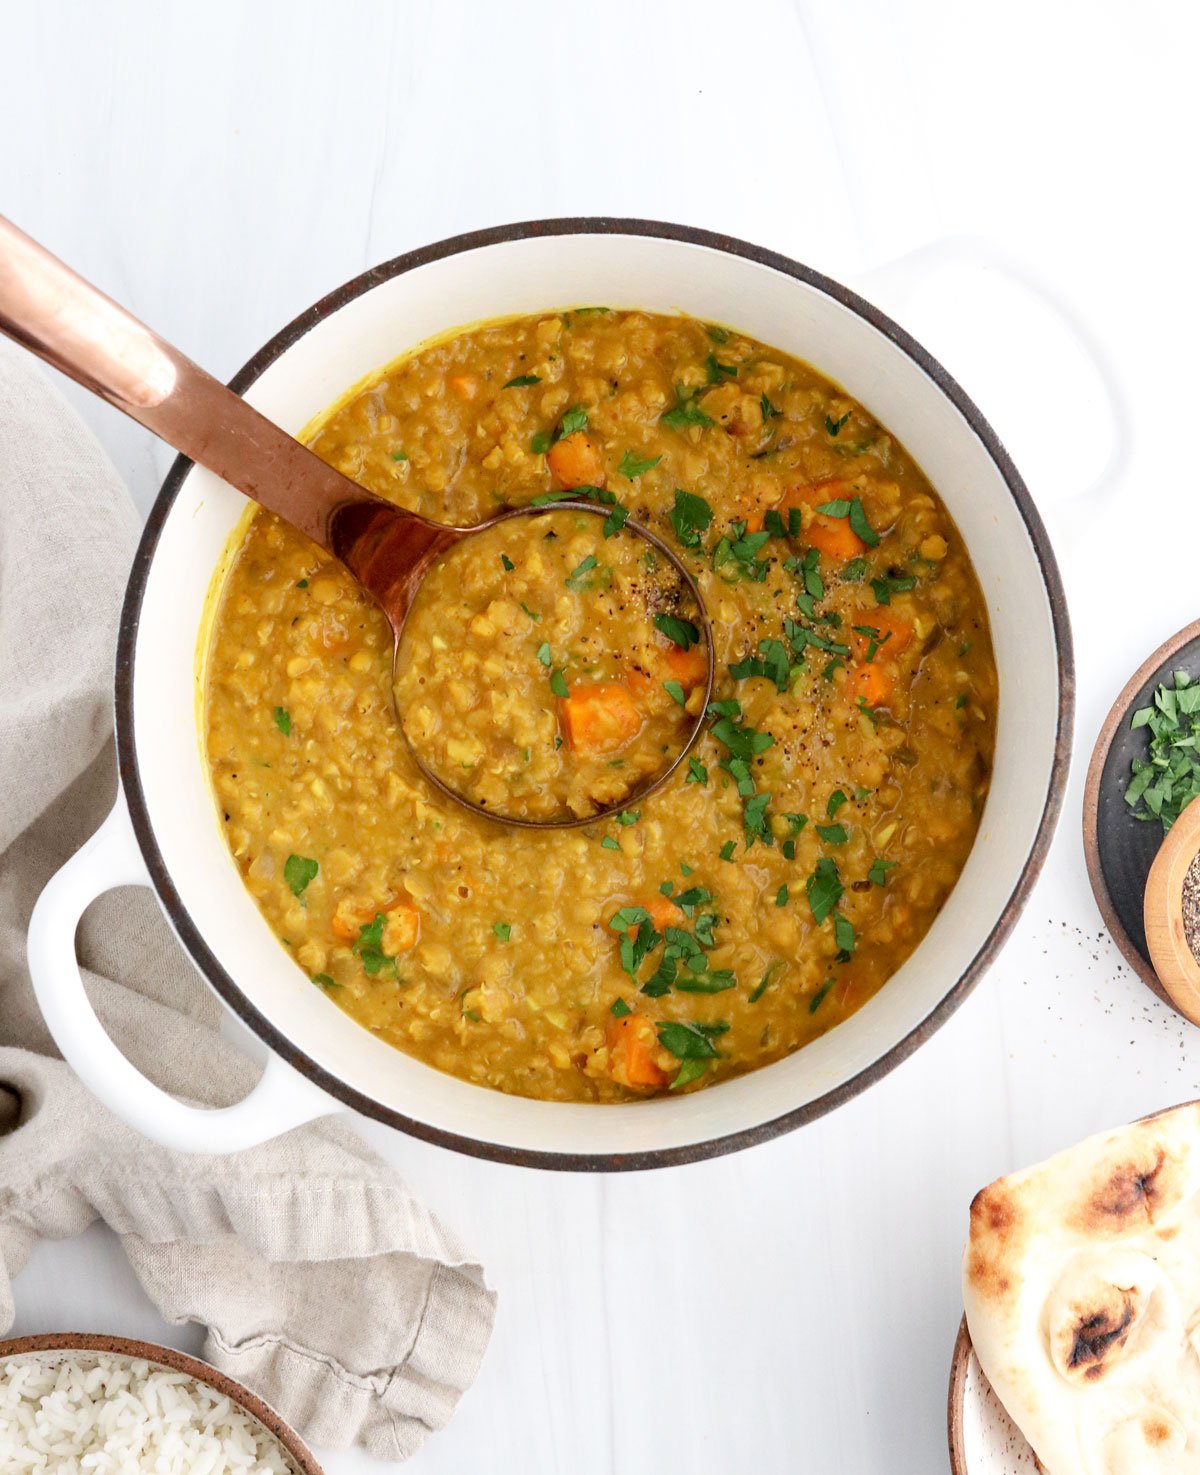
[
  {"x": 600, "y": 717},
  {"x": 873, "y": 684},
  {"x": 663, "y": 913},
  {"x": 632, "y": 1045},
  {"x": 463, "y": 385},
  {"x": 575, "y": 461},
  {"x": 832, "y": 536},
  {"x": 688, "y": 667},
  {"x": 401, "y": 929},
  {"x": 895, "y": 635},
  {"x": 351, "y": 914}
]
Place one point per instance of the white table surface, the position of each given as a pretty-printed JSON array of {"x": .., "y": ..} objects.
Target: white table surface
[{"x": 219, "y": 166}]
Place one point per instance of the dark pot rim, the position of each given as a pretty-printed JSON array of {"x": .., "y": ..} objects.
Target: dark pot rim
[{"x": 270, "y": 1034}]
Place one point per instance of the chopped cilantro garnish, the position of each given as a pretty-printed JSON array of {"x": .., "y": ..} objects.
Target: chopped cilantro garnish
[
  {"x": 854, "y": 571},
  {"x": 369, "y": 948},
  {"x": 399, "y": 456},
  {"x": 727, "y": 849},
  {"x": 323, "y": 980},
  {"x": 532, "y": 613},
  {"x": 888, "y": 585},
  {"x": 503, "y": 930},
  {"x": 771, "y": 661},
  {"x": 522, "y": 381},
  {"x": 832, "y": 834},
  {"x": 834, "y": 426},
  {"x": 676, "y": 692},
  {"x": 620, "y": 1008},
  {"x": 697, "y": 772},
  {"x": 690, "y": 516},
  {"x": 843, "y": 934},
  {"x": 685, "y": 412},
  {"x": 796, "y": 822},
  {"x": 298, "y": 871},
  {"x": 509, "y": 565},
  {"x": 769, "y": 412},
  {"x": 283, "y": 721},
  {"x": 819, "y": 997},
  {"x": 629, "y": 816},
  {"x": 836, "y": 800},
  {"x": 853, "y": 510},
  {"x": 718, "y": 335},
  {"x": 781, "y": 896},
  {"x": 682, "y": 632},
  {"x": 632, "y": 465},
  {"x": 558, "y": 684},
  {"x": 717, "y": 371},
  {"x": 1162, "y": 784},
  {"x": 574, "y": 420},
  {"x": 301, "y": 583},
  {"x": 608, "y": 843},
  {"x": 540, "y": 443},
  {"x": 877, "y": 875},
  {"x": 824, "y": 889},
  {"x": 543, "y": 653},
  {"x": 577, "y": 579},
  {"x": 690, "y": 1041},
  {"x": 764, "y": 981}
]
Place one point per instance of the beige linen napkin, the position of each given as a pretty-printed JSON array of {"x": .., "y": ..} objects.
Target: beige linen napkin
[{"x": 324, "y": 1284}]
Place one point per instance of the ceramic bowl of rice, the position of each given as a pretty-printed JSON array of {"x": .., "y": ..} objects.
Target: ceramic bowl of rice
[{"x": 90, "y": 1405}]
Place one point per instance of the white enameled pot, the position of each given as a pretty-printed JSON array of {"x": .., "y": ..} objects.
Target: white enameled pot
[{"x": 164, "y": 832}]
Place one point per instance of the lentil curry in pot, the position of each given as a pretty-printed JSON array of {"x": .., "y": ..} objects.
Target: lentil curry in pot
[{"x": 793, "y": 862}]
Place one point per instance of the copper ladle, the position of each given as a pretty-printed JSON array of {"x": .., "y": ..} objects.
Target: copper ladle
[{"x": 69, "y": 323}]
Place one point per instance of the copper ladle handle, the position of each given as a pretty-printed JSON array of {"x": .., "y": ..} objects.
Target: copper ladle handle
[{"x": 69, "y": 323}]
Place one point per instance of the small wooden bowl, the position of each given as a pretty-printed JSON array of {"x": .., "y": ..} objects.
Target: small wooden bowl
[
  {"x": 1119, "y": 849},
  {"x": 302, "y": 1459},
  {"x": 1174, "y": 962}
]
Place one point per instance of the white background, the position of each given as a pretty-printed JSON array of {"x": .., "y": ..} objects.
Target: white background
[{"x": 218, "y": 166}]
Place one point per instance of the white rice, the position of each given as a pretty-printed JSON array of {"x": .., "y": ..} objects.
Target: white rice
[{"x": 91, "y": 1414}]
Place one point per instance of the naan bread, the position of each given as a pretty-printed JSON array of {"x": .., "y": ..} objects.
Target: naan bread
[{"x": 1081, "y": 1281}]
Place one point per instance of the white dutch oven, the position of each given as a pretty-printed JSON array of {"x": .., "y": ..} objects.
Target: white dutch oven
[{"x": 164, "y": 832}]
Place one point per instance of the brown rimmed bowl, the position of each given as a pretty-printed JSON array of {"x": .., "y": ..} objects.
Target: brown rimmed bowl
[
  {"x": 983, "y": 1439},
  {"x": 164, "y": 833},
  {"x": 55, "y": 1346}
]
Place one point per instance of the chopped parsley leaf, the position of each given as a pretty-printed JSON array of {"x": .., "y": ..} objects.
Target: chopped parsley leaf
[
  {"x": 764, "y": 981},
  {"x": 844, "y": 934},
  {"x": 675, "y": 691},
  {"x": 854, "y": 571},
  {"x": 888, "y": 585},
  {"x": 574, "y": 420},
  {"x": 558, "y": 684},
  {"x": 697, "y": 772},
  {"x": 727, "y": 849},
  {"x": 690, "y": 516},
  {"x": 824, "y": 889},
  {"x": 577, "y": 579},
  {"x": 781, "y": 896},
  {"x": 543, "y": 653},
  {"x": 323, "y": 980},
  {"x": 369, "y": 948},
  {"x": 685, "y": 412},
  {"x": 853, "y": 510},
  {"x": 832, "y": 834},
  {"x": 608, "y": 843},
  {"x": 503, "y": 930},
  {"x": 298, "y": 871},
  {"x": 509, "y": 565},
  {"x": 522, "y": 381},
  {"x": 718, "y": 335},
  {"x": 283, "y": 721},
  {"x": 717, "y": 371},
  {"x": 399, "y": 456},
  {"x": 629, "y": 816},
  {"x": 877, "y": 875},
  {"x": 769, "y": 412},
  {"x": 836, "y": 800},
  {"x": 682, "y": 632},
  {"x": 540, "y": 443},
  {"x": 532, "y": 613},
  {"x": 819, "y": 997},
  {"x": 834, "y": 427},
  {"x": 632, "y": 465},
  {"x": 620, "y": 1009}
]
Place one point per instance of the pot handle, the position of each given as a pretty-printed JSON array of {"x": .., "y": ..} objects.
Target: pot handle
[
  {"x": 897, "y": 281},
  {"x": 281, "y": 1100}
]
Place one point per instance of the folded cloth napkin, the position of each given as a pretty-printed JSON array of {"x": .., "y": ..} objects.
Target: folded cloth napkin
[{"x": 324, "y": 1284}]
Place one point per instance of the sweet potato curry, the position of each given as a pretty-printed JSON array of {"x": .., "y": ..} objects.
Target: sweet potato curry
[{"x": 798, "y": 855}]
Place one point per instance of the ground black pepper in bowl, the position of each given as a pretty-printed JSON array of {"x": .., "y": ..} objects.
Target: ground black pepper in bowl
[{"x": 1191, "y": 906}]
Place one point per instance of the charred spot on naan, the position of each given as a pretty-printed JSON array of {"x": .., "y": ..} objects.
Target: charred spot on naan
[
  {"x": 1101, "y": 1333},
  {"x": 1132, "y": 1194},
  {"x": 996, "y": 1222}
]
